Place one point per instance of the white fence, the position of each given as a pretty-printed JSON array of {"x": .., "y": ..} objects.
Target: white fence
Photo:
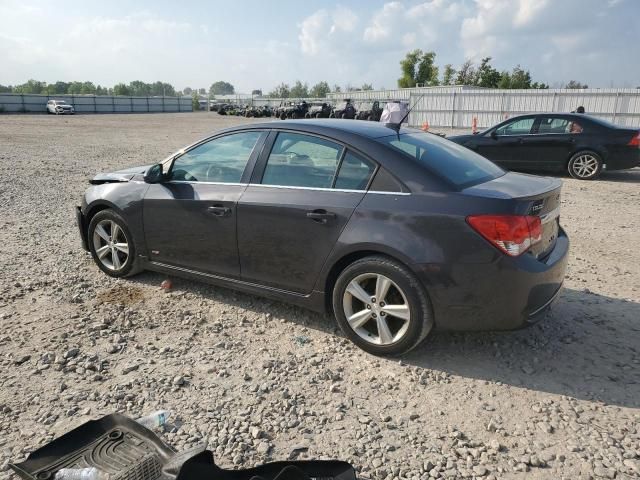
[
  {"x": 30, "y": 103},
  {"x": 456, "y": 107}
]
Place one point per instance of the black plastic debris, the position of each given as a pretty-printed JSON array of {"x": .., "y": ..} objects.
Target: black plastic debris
[{"x": 125, "y": 450}]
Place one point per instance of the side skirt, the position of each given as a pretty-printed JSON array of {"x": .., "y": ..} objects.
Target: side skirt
[{"x": 313, "y": 301}]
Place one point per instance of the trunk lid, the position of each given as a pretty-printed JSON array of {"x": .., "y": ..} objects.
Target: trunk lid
[{"x": 529, "y": 195}]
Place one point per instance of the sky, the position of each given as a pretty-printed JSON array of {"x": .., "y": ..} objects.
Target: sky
[{"x": 258, "y": 44}]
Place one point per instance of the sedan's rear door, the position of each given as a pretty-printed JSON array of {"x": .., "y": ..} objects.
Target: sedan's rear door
[
  {"x": 552, "y": 141},
  {"x": 303, "y": 192}
]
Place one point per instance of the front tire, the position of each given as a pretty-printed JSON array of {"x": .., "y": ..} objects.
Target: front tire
[
  {"x": 381, "y": 306},
  {"x": 585, "y": 165},
  {"x": 111, "y": 244}
]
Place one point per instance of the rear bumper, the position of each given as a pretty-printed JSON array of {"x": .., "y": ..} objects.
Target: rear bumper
[
  {"x": 506, "y": 294},
  {"x": 80, "y": 221}
]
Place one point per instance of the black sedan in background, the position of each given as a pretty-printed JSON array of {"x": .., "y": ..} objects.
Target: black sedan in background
[
  {"x": 392, "y": 230},
  {"x": 557, "y": 142}
]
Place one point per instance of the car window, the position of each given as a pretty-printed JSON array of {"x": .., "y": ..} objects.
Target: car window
[
  {"x": 354, "y": 173},
  {"x": 574, "y": 127},
  {"x": 517, "y": 127},
  {"x": 222, "y": 159},
  {"x": 553, "y": 125},
  {"x": 302, "y": 161},
  {"x": 455, "y": 163}
]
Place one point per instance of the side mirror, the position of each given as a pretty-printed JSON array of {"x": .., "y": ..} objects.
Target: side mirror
[
  {"x": 154, "y": 174},
  {"x": 493, "y": 134}
]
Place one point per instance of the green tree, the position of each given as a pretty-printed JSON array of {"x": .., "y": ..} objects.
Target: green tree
[
  {"x": 320, "y": 90},
  {"x": 366, "y": 86},
  {"x": 187, "y": 91},
  {"x": 505, "y": 80},
  {"x": 221, "y": 88},
  {"x": 281, "y": 91},
  {"x": 466, "y": 74},
  {"x": 195, "y": 101},
  {"x": 427, "y": 70},
  {"x": 418, "y": 67},
  {"x": 88, "y": 88},
  {"x": 487, "y": 76},
  {"x": 299, "y": 90},
  {"x": 6, "y": 88},
  {"x": 539, "y": 86},
  {"x": 31, "y": 86},
  {"x": 257, "y": 92},
  {"x": 520, "y": 78},
  {"x": 448, "y": 75},
  {"x": 158, "y": 89},
  {"x": 336, "y": 88},
  {"x": 139, "y": 88},
  {"x": 102, "y": 90},
  {"x": 203, "y": 91},
  {"x": 121, "y": 89},
  {"x": 574, "y": 84}
]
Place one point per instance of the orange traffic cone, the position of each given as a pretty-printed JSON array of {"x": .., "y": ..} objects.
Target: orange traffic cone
[
  {"x": 474, "y": 125},
  {"x": 425, "y": 126}
]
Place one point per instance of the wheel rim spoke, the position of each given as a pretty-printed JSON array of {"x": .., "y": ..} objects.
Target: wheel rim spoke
[
  {"x": 115, "y": 231},
  {"x": 102, "y": 251},
  {"x": 123, "y": 247},
  {"x": 115, "y": 259},
  {"x": 399, "y": 311},
  {"x": 382, "y": 287},
  {"x": 102, "y": 233},
  {"x": 358, "y": 319},
  {"x": 383, "y": 331},
  {"x": 357, "y": 291}
]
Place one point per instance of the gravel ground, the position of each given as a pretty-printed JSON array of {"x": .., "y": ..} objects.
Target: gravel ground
[{"x": 260, "y": 380}]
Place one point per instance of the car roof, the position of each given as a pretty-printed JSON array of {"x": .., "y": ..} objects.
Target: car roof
[{"x": 330, "y": 127}]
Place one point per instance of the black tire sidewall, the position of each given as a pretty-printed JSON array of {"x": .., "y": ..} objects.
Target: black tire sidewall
[
  {"x": 578, "y": 154},
  {"x": 421, "y": 317},
  {"x": 129, "y": 265}
]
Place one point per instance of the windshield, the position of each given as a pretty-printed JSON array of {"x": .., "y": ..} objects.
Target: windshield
[{"x": 456, "y": 164}]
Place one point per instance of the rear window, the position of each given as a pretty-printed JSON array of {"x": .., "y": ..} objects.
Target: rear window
[{"x": 456, "y": 164}]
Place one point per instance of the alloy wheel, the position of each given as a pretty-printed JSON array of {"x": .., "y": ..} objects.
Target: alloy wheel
[
  {"x": 585, "y": 166},
  {"x": 376, "y": 309},
  {"x": 110, "y": 244}
]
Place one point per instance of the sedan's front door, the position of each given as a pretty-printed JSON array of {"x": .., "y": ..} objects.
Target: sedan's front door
[
  {"x": 505, "y": 145},
  {"x": 552, "y": 142},
  {"x": 291, "y": 215},
  {"x": 190, "y": 219}
]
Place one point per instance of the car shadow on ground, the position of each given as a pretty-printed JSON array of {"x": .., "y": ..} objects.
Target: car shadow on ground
[{"x": 586, "y": 347}]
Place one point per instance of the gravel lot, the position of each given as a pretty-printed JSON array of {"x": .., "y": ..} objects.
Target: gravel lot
[{"x": 261, "y": 380}]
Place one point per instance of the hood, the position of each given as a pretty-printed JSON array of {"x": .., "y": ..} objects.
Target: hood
[{"x": 118, "y": 176}]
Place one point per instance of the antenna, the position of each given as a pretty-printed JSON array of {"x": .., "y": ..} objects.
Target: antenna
[{"x": 396, "y": 126}]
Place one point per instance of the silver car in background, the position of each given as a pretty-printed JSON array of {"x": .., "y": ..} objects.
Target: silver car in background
[{"x": 60, "y": 107}]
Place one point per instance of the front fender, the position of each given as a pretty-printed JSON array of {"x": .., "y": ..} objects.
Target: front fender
[{"x": 126, "y": 198}]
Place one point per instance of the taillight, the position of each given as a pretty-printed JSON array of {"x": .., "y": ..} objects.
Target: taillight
[
  {"x": 635, "y": 141},
  {"x": 513, "y": 234}
]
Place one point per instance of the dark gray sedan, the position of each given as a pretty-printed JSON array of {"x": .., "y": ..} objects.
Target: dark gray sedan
[{"x": 393, "y": 231}]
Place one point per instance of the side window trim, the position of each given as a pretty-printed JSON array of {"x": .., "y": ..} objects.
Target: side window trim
[
  {"x": 267, "y": 147},
  {"x": 376, "y": 167},
  {"x": 536, "y": 121}
]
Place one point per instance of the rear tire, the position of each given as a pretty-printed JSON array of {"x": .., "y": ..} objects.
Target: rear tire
[
  {"x": 111, "y": 245},
  {"x": 585, "y": 165},
  {"x": 392, "y": 324}
]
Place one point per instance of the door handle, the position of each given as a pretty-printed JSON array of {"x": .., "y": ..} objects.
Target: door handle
[
  {"x": 321, "y": 216},
  {"x": 219, "y": 211}
]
